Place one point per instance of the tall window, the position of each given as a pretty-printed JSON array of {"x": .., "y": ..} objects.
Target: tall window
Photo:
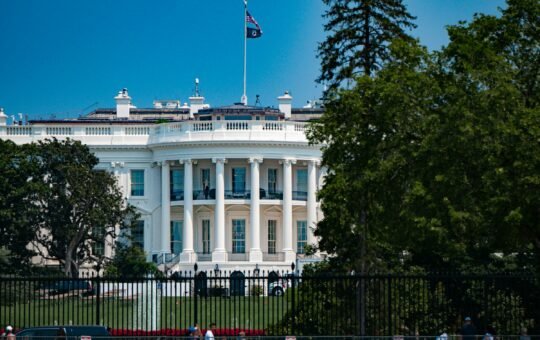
[
  {"x": 177, "y": 184},
  {"x": 98, "y": 245},
  {"x": 301, "y": 180},
  {"x": 272, "y": 226},
  {"x": 176, "y": 237},
  {"x": 239, "y": 236},
  {"x": 206, "y": 236},
  {"x": 137, "y": 234},
  {"x": 301, "y": 236},
  {"x": 272, "y": 180},
  {"x": 137, "y": 182},
  {"x": 239, "y": 180},
  {"x": 205, "y": 178}
]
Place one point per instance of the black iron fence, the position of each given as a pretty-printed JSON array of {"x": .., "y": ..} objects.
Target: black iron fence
[{"x": 277, "y": 303}]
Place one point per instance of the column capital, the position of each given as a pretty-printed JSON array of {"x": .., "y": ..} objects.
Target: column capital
[
  {"x": 117, "y": 164},
  {"x": 255, "y": 160},
  {"x": 219, "y": 160},
  {"x": 288, "y": 161},
  {"x": 187, "y": 161},
  {"x": 315, "y": 162}
]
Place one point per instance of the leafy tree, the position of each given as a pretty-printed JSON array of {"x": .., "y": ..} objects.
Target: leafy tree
[
  {"x": 77, "y": 204},
  {"x": 434, "y": 160},
  {"x": 129, "y": 261},
  {"x": 18, "y": 184},
  {"x": 359, "y": 34}
]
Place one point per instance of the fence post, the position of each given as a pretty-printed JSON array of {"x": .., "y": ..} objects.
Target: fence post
[
  {"x": 98, "y": 298},
  {"x": 389, "y": 302},
  {"x": 293, "y": 310},
  {"x": 196, "y": 286}
]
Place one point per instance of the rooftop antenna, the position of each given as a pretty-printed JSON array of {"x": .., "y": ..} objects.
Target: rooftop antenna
[
  {"x": 197, "y": 87},
  {"x": 257, "y": 100}
]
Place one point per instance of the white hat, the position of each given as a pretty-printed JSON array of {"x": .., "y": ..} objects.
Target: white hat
[{"x": 9, "y": 328}]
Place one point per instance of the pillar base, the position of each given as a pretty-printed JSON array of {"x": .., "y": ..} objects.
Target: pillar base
[
  {"x": 290, "y": 256},
  {"x": 219, "y": 255},
  {"x": 255, "y": 255},
  {"x": 188, "y": 256}
]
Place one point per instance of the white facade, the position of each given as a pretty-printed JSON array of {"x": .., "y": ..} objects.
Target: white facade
[{"x": 233, "y": 187}]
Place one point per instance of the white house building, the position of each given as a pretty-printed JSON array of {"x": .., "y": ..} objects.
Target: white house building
[{"x": 231, "y": 186}]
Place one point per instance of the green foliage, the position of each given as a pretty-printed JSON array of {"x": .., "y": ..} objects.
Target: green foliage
[
  {"x": 53, "y": 198},
  {"x": 359, "y": 32},
  {"x": 129, "y": 261},
  {"x": 256, "y": 290},
  {"x": 434, "y": 161}
]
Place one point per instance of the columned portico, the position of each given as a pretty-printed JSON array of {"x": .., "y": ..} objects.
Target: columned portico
[
  {"x": 165, "y": 208},
  {"x": 219, "y": 254},
  {"x": 288, "y": 251},
  {"x": 188, "y": 252},
  {"x": 255, "y": 253},
  {"x": 311, "y": 200}
]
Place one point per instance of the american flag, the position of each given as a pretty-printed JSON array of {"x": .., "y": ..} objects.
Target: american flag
[{"x": 252, "y": 20}]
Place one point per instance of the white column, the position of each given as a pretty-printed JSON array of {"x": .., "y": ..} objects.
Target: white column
[
  {"x": 109, "y": 241},
  {"x": 188, "y": 253},
  {"x": 311, "y": 200},
  {"x": 255, "y": 252},
  {"x": 165, "y": 208},
  {"x": 290, "y": 256},
  {"x": 219, "y": 254}
]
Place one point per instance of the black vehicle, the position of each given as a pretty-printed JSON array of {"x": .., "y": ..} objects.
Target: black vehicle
[
  {"x": 64, "y": 332},
  {"x": 79, "y": 287}
]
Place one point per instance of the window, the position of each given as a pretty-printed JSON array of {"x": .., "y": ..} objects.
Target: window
[
  {"x": 205, "y": 177},
  {"x": 272, "y": 236},
  {"x": 206, "y": 236},
  {"x": 272, "y": 180},
  {"x": 98, "y": 245},
  {"x": 239, "y": 180},
  {"x": 137, "y": 182},
  {"x": 301, "y": 180},
  {"x": 177, "y": 184},
  {"x": 301, "y": 236},
  {"x": 239, "y": 236},
  {"x": 176, "y": 237},
  {"x": 137, "y": 234}
]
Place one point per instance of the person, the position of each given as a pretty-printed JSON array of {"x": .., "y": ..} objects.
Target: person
[
  {"x": 241, "y": 335},
  {"x": 443, "y": 336},
  {"x": 524, "y": 335},
  {"x": 206, "y": 192},
  {"x": 468, "y": 331},
  {"x": 490, "y": 333},
  {"x": 210, "y": 332},
  {"x": 8, "y": 333}
]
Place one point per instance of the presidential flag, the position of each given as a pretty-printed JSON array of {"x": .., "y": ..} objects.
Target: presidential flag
[{"x": 252, "y": 32}]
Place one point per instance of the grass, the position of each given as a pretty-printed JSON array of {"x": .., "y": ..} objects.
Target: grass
[{"x": 257, "y": 312}]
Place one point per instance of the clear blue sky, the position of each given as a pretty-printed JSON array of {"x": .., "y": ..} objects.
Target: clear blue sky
[{"x": 62, "y": 56}]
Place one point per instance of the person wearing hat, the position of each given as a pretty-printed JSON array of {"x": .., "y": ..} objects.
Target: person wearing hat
[
  {"x": 468, "y": 331},
  {"x": 8, "y": 333}
]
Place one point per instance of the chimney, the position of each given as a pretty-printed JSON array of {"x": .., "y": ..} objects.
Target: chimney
[
  {"x": 285, "y": 104},
  {"x": 123, "y": 103},
  {"x": 196, "y": 102},
  {"x": 3, "y": 117}
]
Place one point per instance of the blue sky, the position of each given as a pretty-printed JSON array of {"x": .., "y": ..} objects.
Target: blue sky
[{"x": 62, "y": 56}]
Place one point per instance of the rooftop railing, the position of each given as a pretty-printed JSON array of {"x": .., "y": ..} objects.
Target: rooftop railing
[{"x": 118, "y": 133}]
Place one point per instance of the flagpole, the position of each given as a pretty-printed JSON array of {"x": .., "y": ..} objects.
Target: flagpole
[{"x": 244, "y": 96}]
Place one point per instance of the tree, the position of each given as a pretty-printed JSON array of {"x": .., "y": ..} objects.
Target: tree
[
  {"x": 360, "y": 32},
  {"x": 77, "y": 204},
  {"x": 18, "y": 184},
  {"x": 129, "y": 261},
  {"x": 434, "y": 160}
]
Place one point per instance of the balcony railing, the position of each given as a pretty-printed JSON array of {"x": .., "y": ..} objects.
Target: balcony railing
[
  {"x": 239, "y": 195},
  {"x": 299, "y": 195},
  {"x": 145, "y": 134}
]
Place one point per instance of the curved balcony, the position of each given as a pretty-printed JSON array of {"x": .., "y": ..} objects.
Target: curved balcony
[{"x": 119, "y": 133}]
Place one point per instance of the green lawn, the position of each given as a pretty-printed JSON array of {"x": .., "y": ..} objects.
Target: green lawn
[{"x": 246, "y": 312}]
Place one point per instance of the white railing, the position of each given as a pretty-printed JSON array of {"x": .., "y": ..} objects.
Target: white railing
[
  {"x": 59, "y": 131},
  {"x": 252, "y": 130},
  {"x": 98, "y": 131}
]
